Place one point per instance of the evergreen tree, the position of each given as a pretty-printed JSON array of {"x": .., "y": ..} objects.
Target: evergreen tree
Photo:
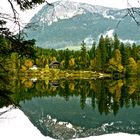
[
  {"x": 127, "y": 53},
  {"x": 116, "y": 42},
  {"x": 102, "y": 52},
  {"x": 123, "y": 53},
  {"x": 67, "y": 57},
  {"x": 108, "y": 46},
  {"x": 134, "y": 51},
  {"x": 97, "y": 60},
  {"x": 83, "y": 55},
  {"x": 92, "y": 51}
]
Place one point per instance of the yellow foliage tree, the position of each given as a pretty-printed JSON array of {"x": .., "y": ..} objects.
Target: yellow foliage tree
[
  {"x": 131, "y": 68},
  {"x": 71, "y": 62},
  {"x": 115, "y": 63},
  {"x": 132, "y": 65},
  {"x": 115, "y": 88},
  {"x": 118, "y": 57},
  {"x": 52, "y": 58},
  {"x": 23, "y": 68},
  {"x": 62, "y": 63},
  {"x": 71, "y": 86},
  {"x": 28, "y": 63},
  {"x": 47, "y": 69},
  {"x": 28, "y": 84}
]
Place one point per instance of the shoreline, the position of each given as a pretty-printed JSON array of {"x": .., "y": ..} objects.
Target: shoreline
[{"x": 14, "y": 124}]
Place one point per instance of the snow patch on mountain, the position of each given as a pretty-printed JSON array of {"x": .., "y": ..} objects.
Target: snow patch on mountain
[
  {"x": 60, "y": 10},
  {"x": 105, "y": 15},
  {"x": 66, "y": 9},
  {"x": 66, "y": 24}
]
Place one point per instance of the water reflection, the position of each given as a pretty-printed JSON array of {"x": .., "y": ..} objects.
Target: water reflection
[
  {"x": 6, "y": 90},
  {"x": 107, "y": 95},
  {"x": 69, "y": 108}
]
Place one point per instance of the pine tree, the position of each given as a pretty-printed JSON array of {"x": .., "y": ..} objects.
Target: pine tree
[
  {"x": 108, "y": 46},
  {"x": 127, "y": 53},
  {"x": 67, "y": 56},
  {"x": 92, "y": 51},
  {"x": 102, "y": 51},
  {"x": 97, "y": 60},
  {"x": 116, "y": 42},
  {"x": 134, "y": 51},
  {"x": 83, "y": 55},
  {"x": 123, "y": 53}
]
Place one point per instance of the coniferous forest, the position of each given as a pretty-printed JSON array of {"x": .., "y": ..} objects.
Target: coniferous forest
[{"x": 109, "y": 55}]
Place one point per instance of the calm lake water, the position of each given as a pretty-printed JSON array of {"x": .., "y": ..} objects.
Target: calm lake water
[{"x": 71, "y": 108}]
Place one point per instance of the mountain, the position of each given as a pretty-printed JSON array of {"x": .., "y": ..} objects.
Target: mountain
[{"x": 67, "y": 24}]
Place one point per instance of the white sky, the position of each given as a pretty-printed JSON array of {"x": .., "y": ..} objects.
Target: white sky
[
  {"x": 27, "y": 15},
  {"x": 108, "y": 3}
]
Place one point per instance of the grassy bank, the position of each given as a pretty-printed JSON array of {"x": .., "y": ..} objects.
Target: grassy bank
[{"x": 59, "y": 74}]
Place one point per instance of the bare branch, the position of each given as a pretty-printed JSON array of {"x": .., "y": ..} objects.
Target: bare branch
[
  {"x": 134, "y": 12},
  {"x": 121, "y": 20},
  {"x": 49, "y": 4}
]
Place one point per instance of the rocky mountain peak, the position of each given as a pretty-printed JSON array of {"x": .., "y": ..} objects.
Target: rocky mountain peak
[{"x": 66, "y": 9}]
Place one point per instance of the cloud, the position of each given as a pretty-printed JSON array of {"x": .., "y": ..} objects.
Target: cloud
[{"x": 109, "y": 33}]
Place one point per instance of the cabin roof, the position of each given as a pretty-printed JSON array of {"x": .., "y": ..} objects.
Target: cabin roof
[{"x": 54, "y": 63}]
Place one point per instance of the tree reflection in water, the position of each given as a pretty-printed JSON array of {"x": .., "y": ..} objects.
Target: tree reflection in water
[
  {"x": 5, "y": 95},
  {"x": 106, "y": 94}
]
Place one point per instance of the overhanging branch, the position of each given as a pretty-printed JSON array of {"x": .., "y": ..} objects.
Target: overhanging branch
[{"x": 134, "y": 12}]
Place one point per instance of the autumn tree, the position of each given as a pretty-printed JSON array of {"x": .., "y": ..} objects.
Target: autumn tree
[
  {"x": 115, "y": 62},
  {"x": 71, "y": 63},
  {"x": 131, "y": 68},
  {"x": 15, "y": 42}
]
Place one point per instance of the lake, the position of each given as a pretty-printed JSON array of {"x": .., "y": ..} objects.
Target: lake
[{"x": 75, "y": 108}]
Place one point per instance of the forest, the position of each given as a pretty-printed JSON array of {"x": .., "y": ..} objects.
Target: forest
[{"x": 109, "y": 55}]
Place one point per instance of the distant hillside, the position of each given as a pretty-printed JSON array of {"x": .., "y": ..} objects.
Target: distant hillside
[{"x": 69, "y": 23}]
